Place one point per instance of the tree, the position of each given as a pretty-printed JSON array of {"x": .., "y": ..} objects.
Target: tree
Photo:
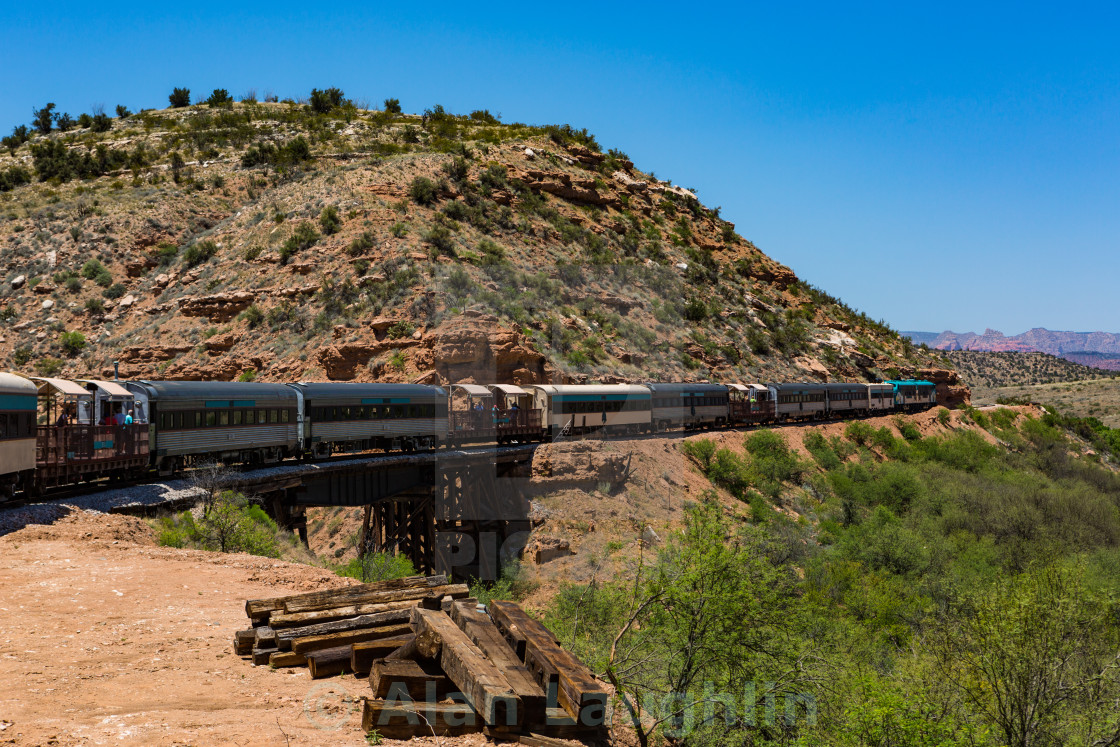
[
  {"x": 122, "y": 111},
  {"x": 392, "y": 106},
  {"x": 329, "y": 220},
  {"x": 211, "y": 478},
  {"x": 712, "y": 615},
  {"x": 101, "y": 122},
  {"x": 72, "y": 342},
  {"x": 1038, "y": 656},
  {"x": 43, "y": 119},
  {"x": 235, "y": 524},
  {"x": 220, "y": 97},
  {"x": 180, "y": 97},
  {"x": 324, "y": 101},
  {"x": 65, "y": 122}
]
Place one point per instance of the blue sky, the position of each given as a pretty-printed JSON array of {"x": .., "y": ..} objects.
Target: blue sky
[{"x": 936, "y": 165}]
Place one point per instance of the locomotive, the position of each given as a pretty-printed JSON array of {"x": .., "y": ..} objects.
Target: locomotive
[{"x": 58, "y": 432}]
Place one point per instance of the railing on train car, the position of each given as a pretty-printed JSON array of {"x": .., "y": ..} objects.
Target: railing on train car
[
  {"x": 59, "y": 444},
  {"x": 480, "y": 422},
  {"x": 758, "y": 410}
]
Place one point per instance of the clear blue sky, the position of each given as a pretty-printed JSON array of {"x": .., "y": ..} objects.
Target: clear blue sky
[{"x": 938, "y": 166}]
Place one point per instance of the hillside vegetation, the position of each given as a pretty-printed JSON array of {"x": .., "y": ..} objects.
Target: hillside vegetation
[
  {"x": 870, "y": 584},
  {"x": 1001, "y": 369},
  {"x": 317, "y": 239}
]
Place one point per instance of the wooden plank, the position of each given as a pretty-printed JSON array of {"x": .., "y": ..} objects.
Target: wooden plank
[
  {"x": 578, "y": 692},
  {"x": 477, "y": 678},
  {"x": 365, "y": 594},
  {"x": 260, "y": 656},
  {"x": 394, "y": 679},
  {"x": 329, "y": 662},
  {"x": 285, "y": 636},
  {"x": 243, "y": 642},
  {"x": 483, "y": 633},
  {"x": 286, "y": 620},
  {"x": 347, "y": 638},
  {"x": 423, "y": 645},
  {"x": 264, "y": 637},
  {"x": 395, "y": 720},
  {"x": 287, "y": 659},
  {"x": 364, "y": 653},
  {"x": 258, "y": 607}
]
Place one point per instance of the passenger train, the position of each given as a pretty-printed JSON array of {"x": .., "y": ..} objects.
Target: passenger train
[{"x": 58, "y": 432}]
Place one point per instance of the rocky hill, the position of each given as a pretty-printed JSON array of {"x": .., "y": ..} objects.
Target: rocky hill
[
  {"x": 290, "y": 240},
  {"x": 987, "y": 370}
]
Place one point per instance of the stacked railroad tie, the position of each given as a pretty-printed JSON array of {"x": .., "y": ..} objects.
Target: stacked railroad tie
[{"x": 437, "y": 663}]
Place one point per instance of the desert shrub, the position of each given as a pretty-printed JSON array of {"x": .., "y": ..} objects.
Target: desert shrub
[
  {"x": 772, "y": 461},
  {"x": 377, "y": 566},
  {"x": 821, "y": 450},
  {"x": 439, "y": 238},
  {"x": 695, "y": 310},
  {"x": 291, "y": 153},
  {"x": 64, "y": 122},
  {"x": 399, "y": 230},
  {"x": 123, "y": 112},
  {"x": 13, "y": 177},
  {"x": 21, "y": 355},
  {"x": 324, "y": 101},
  {"x": 304, "y": 237},
  {"x": 179, "y": 98},
  {"x": 219, "y": 97},
  {"x": 72, "y": 342},
  {"x": 231, "y": 524},
  {"x": 48, "y": 366},
  {"x": 252, "y": 316},
  {"x": 92, "y": 268},
  {"x": 100, "y": 123},
  {"x": 943, "y": 416},
  {"x": 513, "y": 584},
  {"x": 361, "y": 244},
  {"x": 72, "y": 284},
  {"x": 95, "y": 306},
  {"x": 859, "y": 432},
  {"x": 423, "y": 190},
  {"x": 392, "y": 106},
  {"x": 908, "y": 430},
  {"x": 700, "y": 451},
  {"x": 199, "y": 252},
  {"x": 249, "y": 374},
  {"x": 459, "y": 282},
  {"x": 400, "y": 330},
  {"x": 114, "y": 291},
  {"x": 329, "y": 220}
]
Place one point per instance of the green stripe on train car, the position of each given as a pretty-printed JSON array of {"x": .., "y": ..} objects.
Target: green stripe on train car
[{"x": 17, "y": 401}]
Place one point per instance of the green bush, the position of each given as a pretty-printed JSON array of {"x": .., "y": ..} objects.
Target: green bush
[
  {"x": 48, "y": 366},
  {"x": 95, "y": 306},
  {"x": 514, "y": 584},
  {"x": 199, "y": 252},
  {"x": 377, "y": 566},
  {"x": 392, "y": 106},
  {"x": 231, "y": 524},
  {"x": 21, "y": 355},
  {"x": 323, "y": 102},
  {"x": 123, "y": 112},
  {"x": 700, "y": 451},
  {"x": 100, "y": 123},
  {"x": 362, "y": 244},
  {"x": 400, "y": 329},
  {"x": 329, "y": 220},
  {"x": 249, "y": 374},
  {"x": 252, "y": 316},
  {"x": 72, "y": 342},
  {"x": 439, "y": 238},
  {"x": 43, "y": 119},
  {"x": 943, "y": 416},
  {"x": 179, "y": 98},
  {"x": 423, "y": 190},
  {"x": 821, "y": 450},
  {"x": 220, "y": 97},
  {"x": 305, "y": 237},
  {"x": 114, "y": 291}
]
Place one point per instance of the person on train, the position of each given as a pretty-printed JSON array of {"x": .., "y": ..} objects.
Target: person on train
[{"x": 128, "y": 418}]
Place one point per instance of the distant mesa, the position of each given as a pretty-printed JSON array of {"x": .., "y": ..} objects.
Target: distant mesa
[{"x": 1096, "y": 349}]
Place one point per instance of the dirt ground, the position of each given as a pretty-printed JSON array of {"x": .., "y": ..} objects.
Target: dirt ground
[{"x": 106, "y": 638}]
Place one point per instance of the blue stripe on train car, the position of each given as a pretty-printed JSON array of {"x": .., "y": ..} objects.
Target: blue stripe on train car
[
  {"x": 598, "y": 397},
  {"x": 17, "y": 402}
]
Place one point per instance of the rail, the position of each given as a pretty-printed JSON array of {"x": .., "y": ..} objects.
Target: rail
[{"x": 65, "y": 444}]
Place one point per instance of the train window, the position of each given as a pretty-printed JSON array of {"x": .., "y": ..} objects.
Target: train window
[
  {"x": 4, "y": 425},
  {"x": 211, "y": 419},
  {"x": 237, "y": 417},
  {"x": 414, "y": 411},
  {"x": 223, "y": 418},
  {"x": 284, "y": 415},
  {"x": 198, "y": 420},
  {"x": 163, "y": 421},
  {"x": 273, "y": 416},
  {"x": 250, "y": 417}
]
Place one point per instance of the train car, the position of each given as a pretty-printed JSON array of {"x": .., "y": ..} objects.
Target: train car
[
  {"x": 799, "y": 401},
  {"x": 880, "y": 397},
  {"x": 342, "y": 417},
  {"x": 198, "y": 421},
  {"x": 847, "y": 400},
  {"x": 85, "y": 435},
  {"x": 687, "y": 405},
  {"x": 17, "y": 433},
  {"x": 912, "y": 395},
  {"x": 569, "y": 409},
  {"x": 749, "y": 404}
]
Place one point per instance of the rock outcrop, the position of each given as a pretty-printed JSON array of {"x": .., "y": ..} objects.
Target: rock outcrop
[{"x": 220, "y": 307}]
